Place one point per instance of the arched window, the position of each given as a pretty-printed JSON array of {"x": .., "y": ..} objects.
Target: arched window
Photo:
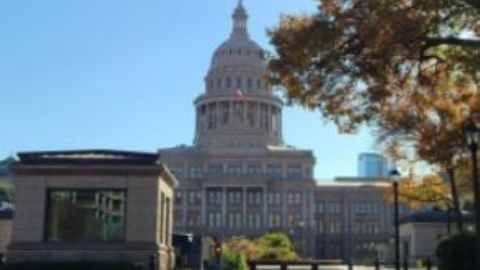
[
  {"x": 259, "y": 84},
  {"x": 249, "y": 83},
  {"x": 229, "y": 82},
  {"x": 219, "y": 83},
  {"x": 239, "y": 82}
]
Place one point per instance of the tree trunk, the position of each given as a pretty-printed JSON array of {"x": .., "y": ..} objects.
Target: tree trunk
[{"x": 456, "y": 201}]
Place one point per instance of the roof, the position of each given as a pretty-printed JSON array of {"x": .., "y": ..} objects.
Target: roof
[
  {"x": 88, "y": 157},
  {"x": 436, "y": 216}
]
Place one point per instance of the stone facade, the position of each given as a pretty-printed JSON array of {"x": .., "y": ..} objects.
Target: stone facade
[
  {"x": 240, "y": 179},
  {"x": 421, "y": 232},
  {"x": 148, "y": 188}
]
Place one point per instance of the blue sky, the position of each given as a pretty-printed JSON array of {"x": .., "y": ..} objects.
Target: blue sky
[{"x": 122, "y": 74}]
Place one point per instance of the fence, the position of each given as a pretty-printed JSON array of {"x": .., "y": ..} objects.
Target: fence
[{"x": 345, "y": 264}]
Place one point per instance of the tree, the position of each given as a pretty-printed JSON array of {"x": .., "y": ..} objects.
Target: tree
[
  {"x": 275, "y": 246},
  {"x": 432, "y": 126},
  {"x": 271, "y": 246},
  {"x": 407, "y": 67},
  {"x": 352, "y": 59}
]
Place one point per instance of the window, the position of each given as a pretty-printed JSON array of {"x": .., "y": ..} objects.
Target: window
[
  {"x": 86, "y": 215},
  {"x": 255, "y": 197},
  {"x": 214, "y": 220},
  {"x": 254, "y": 170},
  {"x": 225, "y": 112},
  {"x": 274, "y": 220},
  {"x": 196, "y": 171},
  {"x": 275, "y": 198},
  {"x": 254, "y": 221},
  {"x": 263, "y": 116},
  {"x": 214, "y": 197},
  {"x": 251, "y": 113},
  {"x": 235, "y": 169},
  {"x": 229, "y": 82},
  {"x": 335, "y": 227},
  {"x": 294, "y": 219},
  {"x": 294, "y": 172},
  {"x": 238, "y": 112},
  {"x": 239, "y": 82},
  {"x": 274, "y": 172},
  {"x": 215, "y": 169},
  {"x": 320, "y": 207},
  {"x": 366, "y": 208},
  {"x": 194, "y": 219},
  {"x": 212, "y": 116},
  {"x": 234, "y": 197},
  {"x": 178, "y": 170},
  {"x": 194, "y": 197},
  {"x": 334, "y": 207}
]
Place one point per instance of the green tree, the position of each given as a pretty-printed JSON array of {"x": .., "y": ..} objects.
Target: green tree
[
  {"x": 233, "y": 260},
  {"x": 457, "y": 252},
  {"x": 275, "y": 246}
]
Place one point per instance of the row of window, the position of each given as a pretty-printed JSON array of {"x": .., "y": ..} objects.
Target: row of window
[
  {"x": 239, "y": 113},
  {"x": 235, "y": 220},
  {"x": 271, "y": 171},
  {"x": 238, "y": 82},
  {"x": 366, "y": 228},
  {"x": 333, "y": 207},
  {"x": 240, "y": 51},
  {"x": 329, "y": 227},
  {"x": 366, "y": 208}
]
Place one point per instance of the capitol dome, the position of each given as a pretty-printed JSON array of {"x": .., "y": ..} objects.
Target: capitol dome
[
  {"x": 237, "y": 59},
  {"x": 238, "y": 109}
]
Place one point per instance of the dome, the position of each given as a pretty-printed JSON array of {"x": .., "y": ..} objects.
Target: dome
[{"x": 239, "y": 50}]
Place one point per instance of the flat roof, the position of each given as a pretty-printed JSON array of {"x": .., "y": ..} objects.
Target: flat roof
[{"x": 88, "y": 157}]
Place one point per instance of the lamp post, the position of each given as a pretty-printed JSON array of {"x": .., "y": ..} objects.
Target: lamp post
[
  {"x": 472, "y": 134},
  {"x": 395, "y": 175}
]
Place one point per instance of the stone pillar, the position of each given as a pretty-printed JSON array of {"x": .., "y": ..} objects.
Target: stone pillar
[
  {"x": 224, "y": 206},
  {"x": 265, "y": 208},
  {"x": 203, "y": 211},
  {"x": 244, "y": 206},
  {"x": 284, "y": 210},
  {"x": 183, "y": 208}
]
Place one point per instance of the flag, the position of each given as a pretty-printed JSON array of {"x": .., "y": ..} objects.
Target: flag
[{"x": 239, "y": 95}]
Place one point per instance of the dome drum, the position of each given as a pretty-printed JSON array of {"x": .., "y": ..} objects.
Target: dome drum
[{"x": 261, "y": 118}]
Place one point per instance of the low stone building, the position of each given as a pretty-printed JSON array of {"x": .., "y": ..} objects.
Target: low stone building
[
  {"x": 421, "y": 232},
  {"x": 6, "y": 215},
  {"x": 92, "y": 206}
]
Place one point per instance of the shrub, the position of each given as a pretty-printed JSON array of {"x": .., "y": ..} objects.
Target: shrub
[
  {"x": 73, "y": 266},
  {"x": 233, "y": 260},
  {"x": 457, "y": 252}
]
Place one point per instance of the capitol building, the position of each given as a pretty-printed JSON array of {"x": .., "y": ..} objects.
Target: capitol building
[{"x": 240, "y": 178}]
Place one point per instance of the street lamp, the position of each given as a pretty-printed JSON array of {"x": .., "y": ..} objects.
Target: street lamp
[
  {"x": 472, "y": 135},
  {"x": 395, "y": 175}
]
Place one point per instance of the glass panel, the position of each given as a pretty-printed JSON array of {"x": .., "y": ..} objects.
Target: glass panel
[{"x": 86, "y": 215}]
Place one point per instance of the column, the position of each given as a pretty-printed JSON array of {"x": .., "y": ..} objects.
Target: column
[
  {"x": 244, "y": 206},
  {"x": 224, "y": 206},
  {"x": 284, "y": 210},
  {"x": 203, "y": 211},
  {"x": 184, "y": 208},
  {"x": 265, "y": 208}
]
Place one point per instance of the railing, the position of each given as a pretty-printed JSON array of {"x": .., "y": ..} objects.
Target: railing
[
  {"x": 318, "y": 264},
  {"x": 315, "y": 265}
]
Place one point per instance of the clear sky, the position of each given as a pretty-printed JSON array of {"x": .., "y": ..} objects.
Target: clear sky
[{"x": 122, "y": 74}]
